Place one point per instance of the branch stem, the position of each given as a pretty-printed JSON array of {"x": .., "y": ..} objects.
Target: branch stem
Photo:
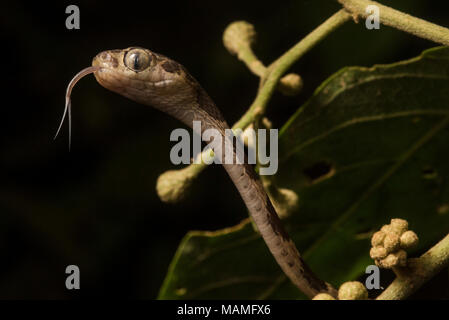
[
  {"x": 418, "y": 272},
  {"x": 247, "y": 55},
  {"x": 283, "y": 63},
  {"x": 399, "y": 20}
]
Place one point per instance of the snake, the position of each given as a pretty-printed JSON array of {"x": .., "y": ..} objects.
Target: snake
[{"x": 153, "y": 79}]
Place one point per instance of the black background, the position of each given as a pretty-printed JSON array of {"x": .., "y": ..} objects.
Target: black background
[{"x": 96, "y": 206}]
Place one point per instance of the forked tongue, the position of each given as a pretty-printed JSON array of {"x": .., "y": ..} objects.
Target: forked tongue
[{"x": 68, "y": 104}]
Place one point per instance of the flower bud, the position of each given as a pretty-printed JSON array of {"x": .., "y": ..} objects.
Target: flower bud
[
  {"x": 352, "y": 290},
  {"x": 172, "y": 185},
  {"x": 389, "y": 262},
  {"x": 290, "y": 85},
  {"x": 399, "y": 226},
  {"x": 391, "y": 242},
  {"x": 378, "y": 252},
  {"x": 323, "y": 296},
  {"x": 237, "y": 35},
  {"x": 409, "y": 239},
  {"x": 378, "y": 238}
]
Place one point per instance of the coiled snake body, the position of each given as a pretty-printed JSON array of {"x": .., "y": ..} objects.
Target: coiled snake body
[{"x": 155, "y": 80}]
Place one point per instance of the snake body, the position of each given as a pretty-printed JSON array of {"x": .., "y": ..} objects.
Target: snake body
[{"x": 155, "y": 80}]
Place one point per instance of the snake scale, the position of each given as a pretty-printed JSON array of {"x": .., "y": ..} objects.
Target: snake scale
[{"x": 155, "y": 80}]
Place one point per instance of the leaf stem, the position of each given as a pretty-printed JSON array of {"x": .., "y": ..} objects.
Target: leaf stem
[{"x": 399, "y": 20}]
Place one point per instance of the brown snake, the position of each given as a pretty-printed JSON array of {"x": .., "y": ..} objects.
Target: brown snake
[{"x": 155, "y": 80}]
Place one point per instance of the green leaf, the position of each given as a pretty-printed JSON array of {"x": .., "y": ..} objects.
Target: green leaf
[{"x": 370, "y": 145}]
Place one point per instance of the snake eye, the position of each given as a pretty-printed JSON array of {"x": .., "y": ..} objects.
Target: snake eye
[{"x": 137, "y": 60}]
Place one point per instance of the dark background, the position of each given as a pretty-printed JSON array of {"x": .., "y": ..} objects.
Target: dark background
[{"x": 96, "y": 206}]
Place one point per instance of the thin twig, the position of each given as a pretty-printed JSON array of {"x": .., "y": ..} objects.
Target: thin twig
[{"x": 283, "y": 63}]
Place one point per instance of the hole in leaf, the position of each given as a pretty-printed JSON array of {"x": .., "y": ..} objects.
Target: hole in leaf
[
  {"x": 319, "y": 171},
  {"x": 429, "y": 173}
]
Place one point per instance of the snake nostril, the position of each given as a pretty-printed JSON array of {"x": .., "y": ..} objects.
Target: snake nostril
[{"x": 109, "y": 59}]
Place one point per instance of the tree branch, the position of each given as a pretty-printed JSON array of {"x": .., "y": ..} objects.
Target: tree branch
[
  {"x": 418, "y": 272},
  {"x": 399, "y": 20}
]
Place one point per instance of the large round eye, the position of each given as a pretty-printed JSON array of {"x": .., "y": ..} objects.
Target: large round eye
[{"x": 137, "y": 59}]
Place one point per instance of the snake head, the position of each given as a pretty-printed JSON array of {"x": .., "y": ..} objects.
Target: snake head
[{"x": 144, "y": 76}]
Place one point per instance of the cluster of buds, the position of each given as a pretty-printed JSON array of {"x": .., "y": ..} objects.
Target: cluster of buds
[
  {"x": 389, "y": 244},
  {"x": 388, "y": 251}
]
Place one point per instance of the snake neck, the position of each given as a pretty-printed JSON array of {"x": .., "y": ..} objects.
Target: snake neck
[{"x": 255, "y": 197}]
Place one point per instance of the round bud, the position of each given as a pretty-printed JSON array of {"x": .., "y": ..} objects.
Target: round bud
[
  {"x": 399, "y": 226},
  {"x": 290, "y": 85},
  {"x": 352, "y": 290},
  {"x": 238, "y": 34},
  {"x": 409, "y": 239},
  {"x": 378, "y": 238},
  {"x": 378, "y": 252},
  {"x": 172, "y": 185},
  {"x": 323, "y": 296},
  {"x": 391, "y": 242},
  {"x": 389, "y": 262},
  {"x": 386, "y": 229}
]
